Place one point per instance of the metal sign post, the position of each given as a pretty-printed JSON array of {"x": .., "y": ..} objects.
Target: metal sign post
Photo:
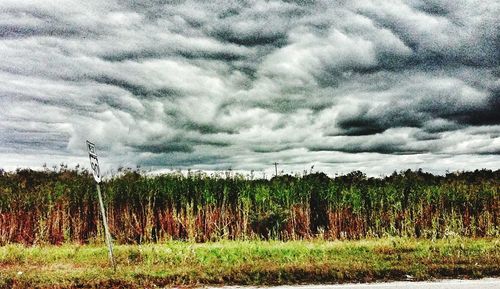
[{"x": 96, "y": 172}]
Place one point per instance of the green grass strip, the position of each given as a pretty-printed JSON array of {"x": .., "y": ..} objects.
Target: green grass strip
[{"x": 247, "y": 262}]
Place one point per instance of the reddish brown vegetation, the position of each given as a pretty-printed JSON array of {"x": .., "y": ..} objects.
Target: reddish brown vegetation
[{"x": 60, "y": 206}]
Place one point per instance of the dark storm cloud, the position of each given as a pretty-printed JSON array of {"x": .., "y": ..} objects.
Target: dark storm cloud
[
  {"x": 158, "y": 52},
  {"x": 169, "y": 146},
  {"x": 136, "y": 89},
  {"x": 26, "y": 23},
  {"x": 485, "y": 114},
  {"x": 165, "y": 148},
  {"x": 204, "y": 128},
  {"x": 426, "y": 105},
  {"x": 32, "y": 140},
  {"x": 382, "y": 148},
  {"x": 218, "y": 84}
]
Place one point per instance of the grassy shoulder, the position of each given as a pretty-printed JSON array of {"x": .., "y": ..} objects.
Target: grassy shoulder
[{"x": 247, "y": 262}]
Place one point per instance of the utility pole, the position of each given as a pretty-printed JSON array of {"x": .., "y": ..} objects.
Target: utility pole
[
  {"x": 96, "y": 172},
  {"x": 276, "y": 169}
]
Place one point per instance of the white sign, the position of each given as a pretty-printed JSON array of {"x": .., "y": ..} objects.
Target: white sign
[{"x": 94, "y": 163}]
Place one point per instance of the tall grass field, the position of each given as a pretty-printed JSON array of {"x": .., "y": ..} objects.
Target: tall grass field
[{"x": 57, "y": 206}]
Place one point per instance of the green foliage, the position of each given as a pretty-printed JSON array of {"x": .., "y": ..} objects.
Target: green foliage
[{"x": 59, "y": 205}]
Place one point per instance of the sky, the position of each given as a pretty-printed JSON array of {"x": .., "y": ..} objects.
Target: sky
[{"x": 375, "y": 86}]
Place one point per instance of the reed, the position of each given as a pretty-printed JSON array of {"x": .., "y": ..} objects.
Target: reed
[{"x": 59, "y": 205}]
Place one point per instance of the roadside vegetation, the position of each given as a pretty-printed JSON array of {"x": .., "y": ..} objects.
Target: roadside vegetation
[
  {"x": 247, "y": 262},
  {"x": 199, "y": 229},
  {"x": 58, "y": 206}
]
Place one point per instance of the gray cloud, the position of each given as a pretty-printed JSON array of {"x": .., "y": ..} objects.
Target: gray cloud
[{"x": 374, "y": 85}]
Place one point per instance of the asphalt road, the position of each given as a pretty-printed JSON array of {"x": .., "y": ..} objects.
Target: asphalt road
[{"x": 489, "y": 283}]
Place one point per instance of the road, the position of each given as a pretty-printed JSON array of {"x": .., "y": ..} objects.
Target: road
[{"x": 489, "y": 283}]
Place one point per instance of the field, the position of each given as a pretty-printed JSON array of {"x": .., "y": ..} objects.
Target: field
[
  {"x": 174, "y": 229},
  {"x": 59, "y": 206},
  {"x": 247, "y": 262}
]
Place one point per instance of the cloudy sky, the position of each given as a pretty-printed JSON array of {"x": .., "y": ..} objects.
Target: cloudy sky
[{"x": 342, "y": 85}]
